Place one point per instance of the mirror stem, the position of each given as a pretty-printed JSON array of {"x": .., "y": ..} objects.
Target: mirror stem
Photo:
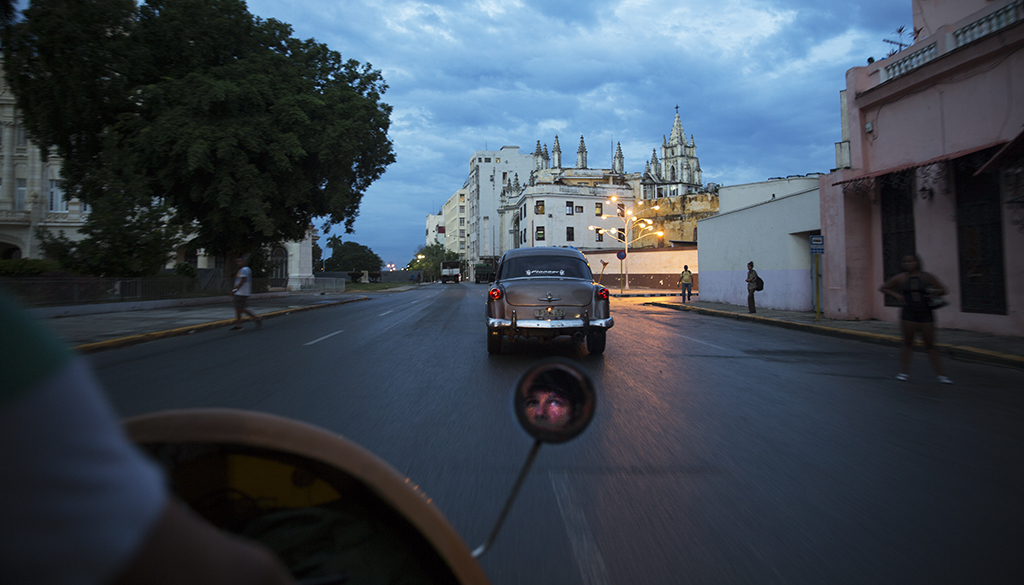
[{"x": 480, "y": 550}]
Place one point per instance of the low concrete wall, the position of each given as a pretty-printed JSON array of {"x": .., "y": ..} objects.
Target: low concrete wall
[
  {"x": 656, "y": 268},
  {"x": 788, "y": 290}
]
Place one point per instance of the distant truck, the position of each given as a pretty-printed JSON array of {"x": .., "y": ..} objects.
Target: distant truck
[
  {"x": 484, "y": 272},
  {"x": 450, "y": 271}
]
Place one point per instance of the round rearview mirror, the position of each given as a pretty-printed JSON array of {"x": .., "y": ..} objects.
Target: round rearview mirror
[{"x": 555, "y": 400}]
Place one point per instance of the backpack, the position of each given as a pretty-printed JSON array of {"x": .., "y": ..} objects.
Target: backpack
[{"x": 758, "y": 284}]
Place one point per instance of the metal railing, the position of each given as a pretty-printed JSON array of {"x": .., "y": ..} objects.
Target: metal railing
[{"x": 49, "y": 292}]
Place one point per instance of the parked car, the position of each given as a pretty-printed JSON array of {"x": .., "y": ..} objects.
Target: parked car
[{"x": 545, "y": 293}]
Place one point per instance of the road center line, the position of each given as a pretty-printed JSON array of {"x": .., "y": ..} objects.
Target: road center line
[
  {"x": 385, "y": 313},
  {"x": 704, "y": 342},
  {"x": 324, "y": 337},
  {"x": 584, "y": 548}
]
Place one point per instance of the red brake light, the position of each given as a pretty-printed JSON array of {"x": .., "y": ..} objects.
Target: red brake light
[
  {"x": 602, "y": 293},
  {"x": 495, "y": 293}
]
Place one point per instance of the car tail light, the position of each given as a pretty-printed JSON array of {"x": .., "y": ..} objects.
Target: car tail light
[
  {"x": 602, "y": 293},
  {"x": 495, "y": 293}
]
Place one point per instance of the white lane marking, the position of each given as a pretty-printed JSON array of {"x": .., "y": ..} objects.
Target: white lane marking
[
  {"x": 382, "y": 314},
  {"x": 324, "y": 337},
  {"x": 588, "y": 557},
  {"x": 704, "y": 342}
]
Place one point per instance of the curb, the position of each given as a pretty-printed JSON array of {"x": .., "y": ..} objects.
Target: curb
[
  {"x": 953, "y": 351},
  {"x": 131, "y": 340}
]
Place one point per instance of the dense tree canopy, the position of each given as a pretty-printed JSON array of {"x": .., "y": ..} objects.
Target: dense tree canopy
[
  {"x": 244, "y": 132},
  {"x": 430, "y": 263},
  {"x": 350, "y": 256}
]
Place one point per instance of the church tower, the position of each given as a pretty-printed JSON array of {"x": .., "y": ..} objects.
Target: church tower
[
  {"x": 618, "y": 162},
  {"x": 678, "y": 172}
]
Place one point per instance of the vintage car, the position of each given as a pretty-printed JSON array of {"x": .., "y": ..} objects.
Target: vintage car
[{"x": 545, "y": 293}]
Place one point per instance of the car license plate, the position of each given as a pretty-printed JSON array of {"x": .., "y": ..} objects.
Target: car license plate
[{"x": 549, "y": 313}]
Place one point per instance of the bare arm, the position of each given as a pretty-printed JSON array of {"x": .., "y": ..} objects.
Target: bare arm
[
  {"x": 892, "y": 287},
  {"x": 182, "y": 548}
]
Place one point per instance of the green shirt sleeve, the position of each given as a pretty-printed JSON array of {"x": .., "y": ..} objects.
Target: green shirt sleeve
[{"x": 29, "y": 353}]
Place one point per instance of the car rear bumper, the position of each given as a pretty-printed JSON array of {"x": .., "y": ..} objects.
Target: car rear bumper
[{"x": 570, "y": 324}]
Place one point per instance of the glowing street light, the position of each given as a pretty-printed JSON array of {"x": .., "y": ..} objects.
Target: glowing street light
[{"x": 630, "y": 222}]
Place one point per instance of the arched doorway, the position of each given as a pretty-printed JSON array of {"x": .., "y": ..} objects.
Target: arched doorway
[{"x": 9, "y": 251}]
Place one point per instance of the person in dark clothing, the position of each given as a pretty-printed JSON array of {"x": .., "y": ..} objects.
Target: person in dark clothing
[
  {"x": 913, "y": 289},
  {"x": 751, "y": 287}
]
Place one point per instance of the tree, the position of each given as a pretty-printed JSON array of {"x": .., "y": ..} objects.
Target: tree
[
  {"x": 352, "y": 256},
  {"x": 430, "y": 263},
  {"x": 244, "y": 132}
]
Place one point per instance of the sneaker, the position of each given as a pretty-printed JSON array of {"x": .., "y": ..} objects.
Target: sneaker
[
  {"x": 236, "y": 328},
  {"x": 944, "y": 380},
  {"x": 902, "y": 377}
]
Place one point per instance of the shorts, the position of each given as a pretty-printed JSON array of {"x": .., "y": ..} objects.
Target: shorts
[
  {"x": 917, "y": 315},
  {"x": 240, "y": 301}
]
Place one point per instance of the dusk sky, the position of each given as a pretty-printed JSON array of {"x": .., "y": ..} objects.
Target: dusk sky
[{"x": 757, "y": 83}]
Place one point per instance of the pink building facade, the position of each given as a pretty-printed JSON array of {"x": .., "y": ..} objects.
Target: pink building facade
[{"x": 932, "y": 161}]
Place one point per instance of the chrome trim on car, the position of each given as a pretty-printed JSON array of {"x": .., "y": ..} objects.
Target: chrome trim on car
[{"x": 546, "y": 324}]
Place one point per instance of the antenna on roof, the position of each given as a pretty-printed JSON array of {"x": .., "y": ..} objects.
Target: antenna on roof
[{"x": 901, "y": 31}]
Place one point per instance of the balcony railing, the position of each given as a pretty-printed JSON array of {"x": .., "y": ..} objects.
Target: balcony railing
[
  {"x": 989, "y": 24},
  {"x": 910, "y": 62}
]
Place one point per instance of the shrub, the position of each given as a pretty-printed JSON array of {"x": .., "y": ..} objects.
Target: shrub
[{"x": 27, "y": 267}]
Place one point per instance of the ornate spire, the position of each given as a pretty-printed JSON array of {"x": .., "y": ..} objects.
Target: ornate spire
[
  {"x": 581, "y": 155},
  {"x": 678, "y": 135},
  {"x": 618, "y": 162},
  {"x": 556, "y": 155}
]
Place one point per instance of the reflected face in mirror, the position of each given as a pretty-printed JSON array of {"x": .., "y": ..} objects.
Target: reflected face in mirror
[
  {"x": 554, "y": 400},
  {"x": 548, "y": 408}
]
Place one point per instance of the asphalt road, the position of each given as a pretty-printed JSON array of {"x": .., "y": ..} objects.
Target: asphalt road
[{"x": 722, "y": 451}]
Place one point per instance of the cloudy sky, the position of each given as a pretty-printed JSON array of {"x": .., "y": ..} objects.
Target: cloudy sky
[{"x": 757, "y": 84}]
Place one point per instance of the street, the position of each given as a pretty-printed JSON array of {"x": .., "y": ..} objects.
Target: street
[{"x": 721, "y": 451}]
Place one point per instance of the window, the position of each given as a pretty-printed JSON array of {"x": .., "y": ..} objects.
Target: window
[
  {"x": 540, "y": 233},
  {"x": 20, "y": 192},
  {"x": 598, "y": 209},
  {"x": 579, "y": 209},
  {"x": 462, "y": 233},
  {"x": 600, "y": 236},
  {"x": 487, "y": 160},
  {"x": 57, "y": 201},
  {"x": 622, "y": 210},
  {"x": 479, "y": 159},
  {"x": 462, "y": 245},
  {"x": 568, "y": 207},
  {"x": 462, "y": 221},
  {"x": 497, "y": 160},
  {"x": 622, "y": 234},
  {"x": 20, "y": 139},
  {"x": 538, "y": 207},
  {"x": 462, "y": 198},
  {"x": 462, "y": 209},
  {"x": 570, "y": 234}
]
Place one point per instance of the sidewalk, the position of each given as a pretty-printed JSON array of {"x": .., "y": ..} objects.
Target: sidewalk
[
  {"x": 99, "y": 331},
  {"x": 954, "y": 343}
]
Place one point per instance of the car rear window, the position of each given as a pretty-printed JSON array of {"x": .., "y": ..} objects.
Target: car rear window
[{"x": 536, "y": 266}]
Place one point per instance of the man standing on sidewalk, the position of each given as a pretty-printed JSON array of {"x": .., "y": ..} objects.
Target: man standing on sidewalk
[
  {"x": 751, "y": 286},
  {"x": 241, "y": 292},
  {"x": 687, "y": 279}
]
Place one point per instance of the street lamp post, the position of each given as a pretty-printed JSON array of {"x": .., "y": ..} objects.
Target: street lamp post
[{"x": 629, "y": 221}]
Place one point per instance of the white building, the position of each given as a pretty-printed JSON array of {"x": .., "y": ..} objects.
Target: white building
[
  {"x": 560, "y": 207},
  {"x": 489, "y": 172},
  {"x": 454, "y": 213},
  {"x": 770, "y": 224},
  {"x": 435, "y": 229}
]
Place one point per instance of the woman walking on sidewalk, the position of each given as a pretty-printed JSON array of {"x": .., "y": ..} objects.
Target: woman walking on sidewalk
[{"x": 914, "y": 289}]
